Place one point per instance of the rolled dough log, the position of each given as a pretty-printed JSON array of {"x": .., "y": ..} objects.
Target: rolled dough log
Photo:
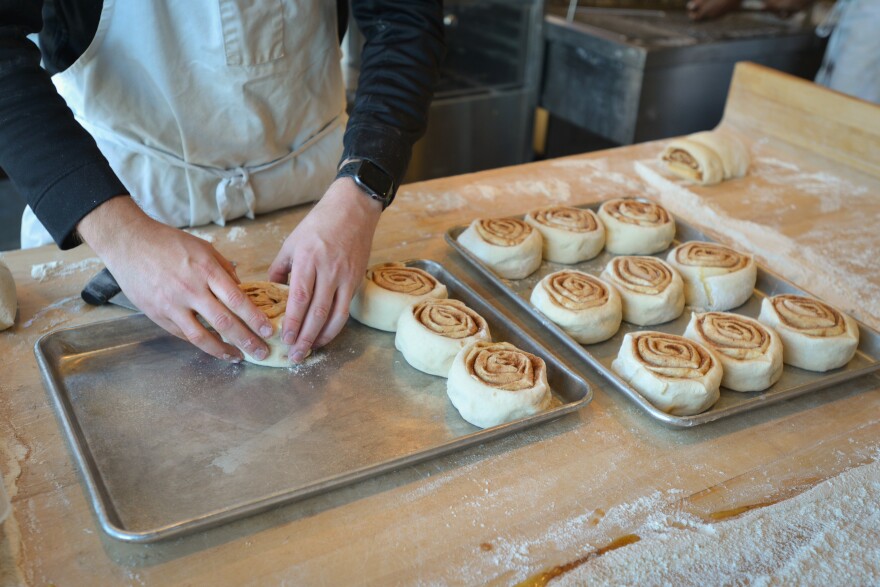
[{"x": 8, "y": 298}]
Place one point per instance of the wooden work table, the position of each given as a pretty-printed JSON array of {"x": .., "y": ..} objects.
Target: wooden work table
[{"x": 509, "y": 509}]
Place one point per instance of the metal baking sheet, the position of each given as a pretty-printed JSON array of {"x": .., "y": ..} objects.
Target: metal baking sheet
[
  {"x": 171, "y": 441},
  {"x": 794, "y": 381}
]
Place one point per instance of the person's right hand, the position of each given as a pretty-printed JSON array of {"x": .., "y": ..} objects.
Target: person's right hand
[{"x": 172, "y": 276}]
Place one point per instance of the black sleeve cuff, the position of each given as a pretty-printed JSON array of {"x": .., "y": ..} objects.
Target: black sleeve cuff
[
  {"x": 383, "y": 145},
  {"x": 72, "y": 196}
]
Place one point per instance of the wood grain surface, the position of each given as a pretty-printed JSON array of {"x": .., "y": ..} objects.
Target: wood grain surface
[{"x": 507, "y": 510}]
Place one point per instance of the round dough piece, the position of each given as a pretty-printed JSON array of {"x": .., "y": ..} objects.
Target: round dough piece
[
  {"x": 636, "y": 227},
  {"x": 431, "y": 332},
  {"x": 815, "y": 336},
  {"x": 651, "y": 291},
  {"x": 585, "y": 307},
  {"x": 8, "y": 298},
  {"x": 387, "y": 289},
  {"x": 750, "y": 353},
  {"x": 716, "y": 278},
  {"x": 570, "y": 235},
  {"x": 731, "y": 151},
  {"x": 271, "y": 299},
  {"x": 512, "y": 248},
  {"x": 693, "y": 161},
  {"x": 493, "y": 383},
  {"x": 677, "y": 375}
]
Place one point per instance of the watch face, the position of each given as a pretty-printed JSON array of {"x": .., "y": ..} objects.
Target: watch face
[{"x": 374, "y": 179}]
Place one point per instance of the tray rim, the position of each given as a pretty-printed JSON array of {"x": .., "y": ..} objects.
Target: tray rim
[
  {"x": 109, "y": 520},
  {"x": 607, "y": 375}
]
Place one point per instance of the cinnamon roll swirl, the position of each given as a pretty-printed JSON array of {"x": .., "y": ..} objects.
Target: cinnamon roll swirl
[
  {"x": 585, "y": 307},
  {"x": 431, "y": 332},
  {"x": 707, "y": 158},
  {"x": 677, "y": 375},
  {"x": 816, "y": 336},
  {"x": 570, "y": 235},
  {"x": 271, "y": 299},
  {"x": 493, "y": 383},
  {"x": 389, "y": 288},
  {"x": 651, "y": 291},
  {"x": 750, "y": 353},
  {"x": 636, "y": 227},
  {"x": 716, "y": 278},
  {"x": 510, "y": 247}
]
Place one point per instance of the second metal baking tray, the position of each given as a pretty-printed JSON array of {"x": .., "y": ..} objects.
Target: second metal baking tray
[
  {"x": 794, "y": 381},
  {"x": 170, "y": 440}
]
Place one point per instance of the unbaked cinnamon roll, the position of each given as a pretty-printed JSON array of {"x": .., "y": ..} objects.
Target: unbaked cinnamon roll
[
  {"x": 707, "y": 157},
  {"x": 585, "y": 307},
  {"x": 570, "y": 235},
  {"x": 651, "y": 291},
  {"x": 716, "y": 278},
  {"x": 677, "y": 375},
  {"x": 431, "y": 332},
  {"x": 389, "y": 288},
  {"x": 636, "y": 227},
  {"x": 509, "y": 246},
  {"x": 271, "y": 299},
  {"x": 815, "y": 336},
  {"x": 493, "y": 383},
  {"x": 750, "y": 353}
]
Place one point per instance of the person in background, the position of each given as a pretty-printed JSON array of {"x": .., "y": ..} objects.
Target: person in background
[
  {"x": 167, "y": 114},
  {"x": 852, "y": 59}
]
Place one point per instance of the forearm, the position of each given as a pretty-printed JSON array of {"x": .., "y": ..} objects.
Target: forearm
[
  {"x": 54, "y": 163},
  {"x": 400, "y": 65}
]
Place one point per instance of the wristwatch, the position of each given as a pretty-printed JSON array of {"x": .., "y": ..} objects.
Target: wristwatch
[{"x": 375, "y": 181}]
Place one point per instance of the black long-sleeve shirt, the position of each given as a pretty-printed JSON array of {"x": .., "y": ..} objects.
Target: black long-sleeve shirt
[{"x": 57, "y": 166}]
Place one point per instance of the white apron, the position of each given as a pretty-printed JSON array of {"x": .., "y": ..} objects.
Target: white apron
[{"x": 210, "y": 110}]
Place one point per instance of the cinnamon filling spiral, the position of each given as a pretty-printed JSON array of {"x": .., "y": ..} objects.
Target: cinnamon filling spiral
[
  {"x": 575, "y": 290},
  {"x": 402, "y": 279},
  {"x": 269, "y": 297},
  {"x": 503, "y": 366},
  {"x": 733, "y": 335},
  {"x": 682, "y": 157},
  {"x": 636, "y": 212},
  {"x": 646, "y": 275},
  {"x": 808, "y": 316},
  {"x": 449, "y": 318},
  {"x": 504, "y": 232},
  {"x": 668, "y": 355},
  {"x": 701, "y": 254},
  {"x": 565, "y": 218}
]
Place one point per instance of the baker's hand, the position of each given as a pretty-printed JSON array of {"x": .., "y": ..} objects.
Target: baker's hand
[
  {"x": 172, "y": 276},
  {"x": 325, "y": 257},
  {"x": 708, "y": 9}
]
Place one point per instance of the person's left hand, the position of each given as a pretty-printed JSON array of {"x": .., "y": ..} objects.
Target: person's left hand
[{"x": 325, "y": 256}]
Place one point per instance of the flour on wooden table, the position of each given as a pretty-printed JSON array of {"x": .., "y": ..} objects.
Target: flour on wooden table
[
  {"x": 54, "y": 269},
  {"x": 57, "y": 312},
  {"x": 236, "y": 233},
  {"x": 828, "y": 535},
  {"x": 205, "y": 236}
]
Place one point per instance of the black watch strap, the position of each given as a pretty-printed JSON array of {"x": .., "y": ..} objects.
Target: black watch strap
[{"x": 372, "y": 179}]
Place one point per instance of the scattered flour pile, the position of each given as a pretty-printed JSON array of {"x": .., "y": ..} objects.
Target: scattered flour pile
[
  {"x": 828, "y": 535},
  {"x": 53, "y": 269}
]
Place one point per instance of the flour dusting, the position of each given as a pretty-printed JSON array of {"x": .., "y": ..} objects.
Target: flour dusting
[
  {"x": 236, "y": 233},
  {"x": 53, "y": 269},
  {"x": 205, "y": 236},
  {"x": 58, "y": 312}
]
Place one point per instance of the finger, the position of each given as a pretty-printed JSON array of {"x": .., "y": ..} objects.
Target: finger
[
  {"x": 227, "y": 265},
  {"x": 316, "y": 317},
  {"x": 338, "y": 316},
  {"x": 302, "y": 283},
  {"x": 231, "y": 296},
  {"x": 231, "y": 328},
  {"x": 280, "y": 268},
  {"x": 198, "y": 335}
]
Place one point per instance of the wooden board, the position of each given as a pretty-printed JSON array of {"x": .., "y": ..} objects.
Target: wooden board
[{"x": 510, "y": 509}]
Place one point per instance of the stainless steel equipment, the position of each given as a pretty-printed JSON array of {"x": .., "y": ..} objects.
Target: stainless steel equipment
[
  {"x": 171, "y": 441},
  {"x": 630, "y": 76},
  {"x": 483, "y": 109}
]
